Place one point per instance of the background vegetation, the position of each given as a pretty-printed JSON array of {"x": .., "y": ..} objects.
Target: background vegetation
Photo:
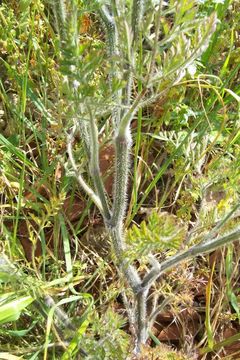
[{"x": 60, "y": 291}]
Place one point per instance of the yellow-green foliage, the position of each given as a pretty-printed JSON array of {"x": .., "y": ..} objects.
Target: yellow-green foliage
[
  {"x": 162, "y": 352},
  {"x": 161, "y": 231}
]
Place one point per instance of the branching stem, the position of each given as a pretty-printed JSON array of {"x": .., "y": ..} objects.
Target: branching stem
[
  {"x": 199, "y": 249},
  {"x": 121, "y": 58}
]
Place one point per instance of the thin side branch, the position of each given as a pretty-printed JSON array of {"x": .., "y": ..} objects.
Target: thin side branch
[
  {"x": 89, "y": 191},
  {"x": 94, "y": 166},
  {"x": 200, "y": 249}
]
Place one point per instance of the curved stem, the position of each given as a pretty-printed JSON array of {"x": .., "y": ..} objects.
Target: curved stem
[
  {"x": 94, "y": 166},
  {"x": 203, "y": 247},
  {"x": 89, "y": 191}
]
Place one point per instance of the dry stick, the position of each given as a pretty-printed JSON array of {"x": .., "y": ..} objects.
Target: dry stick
[{"x": 158, "y": 309}]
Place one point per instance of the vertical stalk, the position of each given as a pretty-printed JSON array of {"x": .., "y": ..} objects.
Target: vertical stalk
[
  {"x": 140, "y": 295},
  {"x": 113, "y": 49},
  {"x": 60, "y": 14},
  {"x": 137, "y": 14},
  {"x": 122, "y": 148},
  {"x": 139, "y": 127},
  {"x": 128, "y": 270},
  {"x": 123, "y": 142},
  {"x": 141, "y": 299}
]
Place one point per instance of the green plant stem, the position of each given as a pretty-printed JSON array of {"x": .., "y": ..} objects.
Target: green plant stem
[
  {"x": 113, "y": 50},
  {"x": 203, "y": 247},
  {"x": 133, "y": 280},
  {"x": 137, "y": 14},
  {"x": 128, "y": 270},
  {"x": 95, "y": 168},
  {"x": 139, "y": 126},
  {"x": 127, "y": 118},
  {"x": 141, "y": 300},
  {"x": 59, "y": 10},
  {"x": 122, "y": 149},
  {"x": 123, "y": 143},
  {"x": 89, "y": 191}
]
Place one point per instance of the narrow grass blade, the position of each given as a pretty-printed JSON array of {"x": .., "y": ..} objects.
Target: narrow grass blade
[
  {"x": 12, "y": 310},
  {"x": 208, "y": 309},
  {"x": 8, "y": 356},
  {"x": 15, "y": 151},
  {"x": 66, "y": 247},
  {"x": 229, "y": 271}
]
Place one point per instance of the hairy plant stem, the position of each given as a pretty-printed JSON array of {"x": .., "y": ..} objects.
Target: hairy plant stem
[
  {"x": 123, "y": 143},
  {"x": 139, "y": 319},
  {"x": 199, "y": 249},
  {"x": 113, "y": 49},
  {"x": 60, "y": 15},
  {"x": 122, "y": 149},
  {"x": 141, "y": 300},
  {"x": 124, "y": 109},
  {"x": 131, "y": 274},
  {"x": 137, "y": 14}
]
